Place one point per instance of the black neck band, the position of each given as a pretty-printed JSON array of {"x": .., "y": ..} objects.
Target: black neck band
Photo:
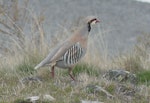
[{"x": 89, "y": 27}]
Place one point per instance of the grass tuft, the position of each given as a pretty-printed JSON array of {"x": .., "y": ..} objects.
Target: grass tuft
[
  {"x": 110, "y": 88},
  {"x": 144, "y": 77},
  {"x": 85, "y": 68},
  {"x": 25, "y": 67}
]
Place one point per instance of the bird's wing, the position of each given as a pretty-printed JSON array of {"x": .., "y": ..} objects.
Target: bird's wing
[
  {"x": 56, "y": 54},
  {"x": 61, "y": 51}
]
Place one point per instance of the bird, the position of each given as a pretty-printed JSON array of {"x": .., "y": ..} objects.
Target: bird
[{"x": 67, "y": 54}]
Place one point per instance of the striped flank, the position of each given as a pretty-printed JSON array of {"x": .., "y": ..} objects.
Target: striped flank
[{"x": 73, "y": 54}]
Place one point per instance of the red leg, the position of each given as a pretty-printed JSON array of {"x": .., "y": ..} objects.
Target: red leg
[
  {"x": 70, "y": 73},
  {"x": 52, "y": 71}
]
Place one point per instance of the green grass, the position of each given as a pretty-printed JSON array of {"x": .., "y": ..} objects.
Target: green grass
[
  {"x": 60, "y": 87},
  {"x": 110, "y": 88},
  {"x": 144, "y": 77},
  {"x": 25, "y": 67},
  {"x": 85, "y": 68}
]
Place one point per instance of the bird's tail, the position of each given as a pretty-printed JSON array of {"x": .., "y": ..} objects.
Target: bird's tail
[{"x": 38, "y": 66}]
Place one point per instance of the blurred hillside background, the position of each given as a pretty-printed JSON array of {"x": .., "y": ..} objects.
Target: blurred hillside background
[{"x": 122, "y": 21}]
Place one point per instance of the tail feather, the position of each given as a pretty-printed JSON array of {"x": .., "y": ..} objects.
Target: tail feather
[
  {"x": 43, "y": 63},
  {"x": 38, "y": 66}
]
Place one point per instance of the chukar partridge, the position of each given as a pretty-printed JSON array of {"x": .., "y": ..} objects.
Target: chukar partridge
[{"x": 70, "y": 52}]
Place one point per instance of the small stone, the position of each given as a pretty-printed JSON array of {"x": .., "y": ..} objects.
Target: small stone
[
  {"x": 121, "y": 75},
  {"x": 126, "y": 90},
  {"x": 85, "y": 101},
  {"x": 33, "y": 98},
  {"x": 96, "y": 89},
  {"x": 31, "y": 79},
  {"x": 48, "y": 97}
]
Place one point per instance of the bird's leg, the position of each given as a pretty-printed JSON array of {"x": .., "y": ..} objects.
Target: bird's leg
[
  {"x": 70, "y": 73},
  {"x": 52, "y": 71}
]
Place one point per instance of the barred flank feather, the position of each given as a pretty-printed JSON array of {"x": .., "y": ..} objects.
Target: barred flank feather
[{"x": 73, "y": 55}]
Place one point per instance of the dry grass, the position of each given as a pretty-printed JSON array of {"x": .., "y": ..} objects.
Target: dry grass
[
  {"x": 26, "y": 49},
  {"x": 139, "y": 58}
]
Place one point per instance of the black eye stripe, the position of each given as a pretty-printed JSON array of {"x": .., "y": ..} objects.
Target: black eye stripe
[{"x": 92, "y": 20}]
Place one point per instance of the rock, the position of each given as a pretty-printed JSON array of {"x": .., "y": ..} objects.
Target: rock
[
  {"x": 32, "y": 99},
  {"x": 127, "y": 93},
  {"x": 126, "y": 90},
  {"x": 84, "y": 101},
  {"x": 96, "y": 89},
  {"x": 121, "y": 76},
  {"x": 48, "y": 97},
  {"x": 31, "y": 79}
]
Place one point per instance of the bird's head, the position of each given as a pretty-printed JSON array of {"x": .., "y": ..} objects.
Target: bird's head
[{"x": 91, "y": 20}]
